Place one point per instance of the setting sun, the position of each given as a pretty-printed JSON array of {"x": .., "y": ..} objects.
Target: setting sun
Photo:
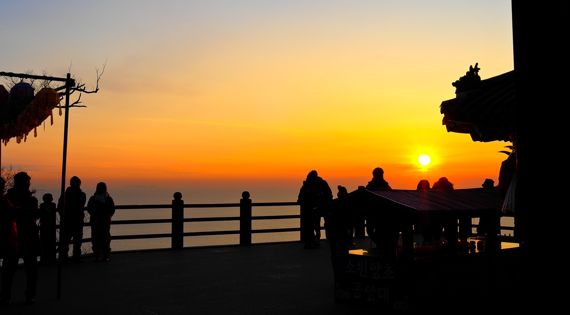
[{"x": 424, "y": 159}]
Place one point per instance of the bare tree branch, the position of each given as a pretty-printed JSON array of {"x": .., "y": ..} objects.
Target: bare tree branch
[
  {"x": 77, "y": 102},
  {"x": 99, "y": 73},
  {"x": 81, "y": 88}
]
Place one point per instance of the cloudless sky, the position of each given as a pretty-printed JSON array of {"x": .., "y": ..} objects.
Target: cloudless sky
[{"x": 254, "y": 94}]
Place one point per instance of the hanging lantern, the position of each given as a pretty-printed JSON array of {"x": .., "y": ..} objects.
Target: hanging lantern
[
  {"x": 25, "y": 119},
  {"x": 21, "y": 93}
]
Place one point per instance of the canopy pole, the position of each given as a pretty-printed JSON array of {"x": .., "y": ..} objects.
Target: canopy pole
[{"x": 68, "y": 85}]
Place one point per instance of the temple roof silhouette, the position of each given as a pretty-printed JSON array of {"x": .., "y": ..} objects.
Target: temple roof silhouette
[{"x": 485, "y": 109}]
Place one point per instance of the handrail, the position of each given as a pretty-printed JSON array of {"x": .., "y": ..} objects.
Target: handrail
[
  {"x": 245, "y": 218},
  {"x": 179, "y": 219}
]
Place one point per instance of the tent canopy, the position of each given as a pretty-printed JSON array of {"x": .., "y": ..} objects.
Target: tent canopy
[{"x": 460, "y": 202}]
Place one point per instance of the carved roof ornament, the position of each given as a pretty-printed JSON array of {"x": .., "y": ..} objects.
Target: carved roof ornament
[{"x": 470, "y": 81}]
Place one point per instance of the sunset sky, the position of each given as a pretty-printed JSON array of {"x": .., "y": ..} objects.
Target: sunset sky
[{"x": 247, "y": 94}]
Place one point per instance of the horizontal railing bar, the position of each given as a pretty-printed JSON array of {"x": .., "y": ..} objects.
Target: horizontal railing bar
[
  {"x": 137, "y": 207},
  {"x": 276, "y": 217},
  {"x": 140, "y": 236},
  {"x": 212, "y": 205},
  {"x": 269, "y": 204},
  {"x": 211, "y": 219},
  {"x": 141, "y": 221},
  {"x": 207, "y": 205},
  {"x": 205, "y": 219},
  {"x": 276, "y": 230},
  {"x": 205, "y": 233}
]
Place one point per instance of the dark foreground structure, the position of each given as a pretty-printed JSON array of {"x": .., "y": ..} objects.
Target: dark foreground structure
[{"x": 261, "y": 279}]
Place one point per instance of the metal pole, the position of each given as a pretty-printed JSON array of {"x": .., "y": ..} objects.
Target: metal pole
[{"x": 68, "y": 85}]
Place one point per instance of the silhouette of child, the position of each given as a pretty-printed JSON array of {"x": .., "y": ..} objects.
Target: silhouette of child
[{"x": 48, "y": 210}]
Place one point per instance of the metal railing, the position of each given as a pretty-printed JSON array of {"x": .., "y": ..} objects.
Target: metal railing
[
  {"x": 178, "y": 219},
  {"x": 245, "y": 220}
]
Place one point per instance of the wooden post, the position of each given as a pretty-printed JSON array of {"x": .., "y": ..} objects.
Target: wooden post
[
  {"x": 245, "y": 219},
  {"x": 177, "y": 221}
]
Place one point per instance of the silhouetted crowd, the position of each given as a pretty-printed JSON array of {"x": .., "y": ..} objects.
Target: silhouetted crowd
[
  {"x": 28, "y": 230},
  {"x": 349, "y": 218}
]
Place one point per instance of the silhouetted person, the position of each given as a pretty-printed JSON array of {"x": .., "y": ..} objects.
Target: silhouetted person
[
  {"x": 442, "y": 184},
  {"x": 21, "y": 211},
  {"x": 338, "y": 226},
  {"x": 376, "y": 183},
  {"x": 449, "y": 224},
  {"x": 4, "y": 223},
  {"x": 488, "y": 183},
  {"x": 339, "y": 235},
  {"x": 423, "y": 185},
  {"x": 101, "y": 208},
  {"x": 4, "y": 220},
  {"x": 72, "y": 206},
  {"x": 488, "y": 223},
  {"x": 314, "y": 197},
  {"x": 48, "y": 210},
  {"x": 428, "y": 226}
]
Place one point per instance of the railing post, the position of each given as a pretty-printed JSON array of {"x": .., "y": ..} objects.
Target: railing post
[
  {"x": 245, "y": 219},
  {"x": 177, "y": 221}
]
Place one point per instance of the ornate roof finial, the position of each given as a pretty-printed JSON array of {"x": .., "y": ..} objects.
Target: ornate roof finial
[{"x": 471, "y": 80}]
